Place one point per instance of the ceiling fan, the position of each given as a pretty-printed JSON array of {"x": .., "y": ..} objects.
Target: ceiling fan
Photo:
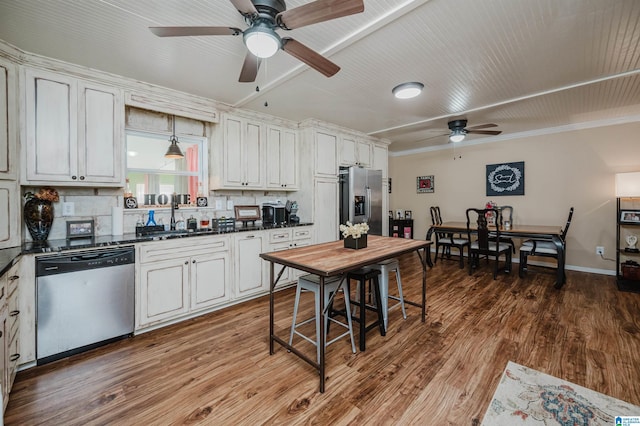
[
  {"x": 459, "y": 130},
  {"x": 263, "y": 18}
]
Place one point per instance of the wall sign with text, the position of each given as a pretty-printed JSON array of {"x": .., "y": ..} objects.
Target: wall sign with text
[{"x": 505, "y": 179}]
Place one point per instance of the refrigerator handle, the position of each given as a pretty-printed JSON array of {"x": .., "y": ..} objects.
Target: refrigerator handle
[{"x": 368, "y": 207}]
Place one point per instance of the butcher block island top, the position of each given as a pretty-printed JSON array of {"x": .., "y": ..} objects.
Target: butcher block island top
[{"x": 328, "y": 259}]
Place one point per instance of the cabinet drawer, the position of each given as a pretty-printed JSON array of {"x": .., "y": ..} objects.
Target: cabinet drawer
[
  {"x": 184, "y": 247},
  {"x": 301, "y": 234},
  {"x": 279, "y": 236}
]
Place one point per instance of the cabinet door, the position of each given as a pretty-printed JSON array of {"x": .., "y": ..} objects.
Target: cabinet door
[
  {"x": 8, "y": 120},
  {"x": 348, "y": 153},
  {"x": 4, "y": 361},
  {"x": 252, "y": 151},
  {"x": 51, "y": 121},
  {"x": 26, "y": 306},
  {"x": 233, "y": 152},
  {"x": 282, "y": 159},
  {"x": 100, "y": 143},
  {"x": 164, "y": 290},
  {"x": 9, "y": 214},
  {"x": 380, "y": 160},
  {"x": 325, "y": 210},
  {"x": 209, "y": 280},
  {"x": 249, "y": 276},
  {"x": 363, "y": 152},
  {"x": 326, "y": 148}
]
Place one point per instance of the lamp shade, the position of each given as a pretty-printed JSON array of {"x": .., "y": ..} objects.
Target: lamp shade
[
  {"x": 262, "y": 41},
  {"x": 628, "y": 184}
]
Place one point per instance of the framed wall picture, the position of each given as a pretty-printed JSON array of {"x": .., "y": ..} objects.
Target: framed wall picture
[
  {"x": 80, "y": 229},
  {"x": 247, "y": 213},
  {"x": 630, "y": 216},
  {"x": 425, "y": 184},
  {"x": 505, "y": 179}
]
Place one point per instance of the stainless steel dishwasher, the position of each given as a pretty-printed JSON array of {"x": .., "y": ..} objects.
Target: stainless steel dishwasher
[{"x": 84, "y": 300}]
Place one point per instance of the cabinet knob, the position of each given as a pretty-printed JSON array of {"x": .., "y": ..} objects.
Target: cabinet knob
[
  {"x": 74, "y": 177},
  {"x": 81, "y": 177},
  {"x": 193, "y": 261},
  {"x": 186, "y": 262}
]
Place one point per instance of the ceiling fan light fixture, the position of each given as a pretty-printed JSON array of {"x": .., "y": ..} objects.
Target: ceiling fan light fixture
[
  {"x": 407, "y": 90},
  {"x": 262, "y": 41},
  {"x": 457, "y": 135},
  {"x": 174, "y": 151}
]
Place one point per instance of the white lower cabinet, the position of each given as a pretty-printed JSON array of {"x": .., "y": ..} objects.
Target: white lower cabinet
[
  {"x": 179, "y": 277},
  {"x": 285, "y": 239},
  {"x": 250, "y": 275}
]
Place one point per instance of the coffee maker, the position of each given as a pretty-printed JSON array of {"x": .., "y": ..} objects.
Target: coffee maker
[{"x": 290, "y": 212}]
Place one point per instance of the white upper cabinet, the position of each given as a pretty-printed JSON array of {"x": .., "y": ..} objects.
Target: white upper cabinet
[
  {"x": 74, "y": 131},
  {"x": 326, "y": 148},
  {"x": 354, "y": 152},
  {"x": 8, "y": 120},
  {"x": 282, "y": 159},
  {"x": 9, "y": 214},
  {"x": 380, "y": 159},
  {"x": 242, "y": 154}
]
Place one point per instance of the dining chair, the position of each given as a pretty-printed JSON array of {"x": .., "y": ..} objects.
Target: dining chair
[
  {"x": 506, "y": 214},
  {"x": 487, "y": 241},
  {"x": 447, "y": 240},
  {"x": 544, "y": 248}
]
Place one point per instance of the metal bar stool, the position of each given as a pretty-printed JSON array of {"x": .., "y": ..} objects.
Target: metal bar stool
[
  {"x": 311, "y": 283},
  {"x": 385, "y": 268},
  {"x": 364, "y": 276}
]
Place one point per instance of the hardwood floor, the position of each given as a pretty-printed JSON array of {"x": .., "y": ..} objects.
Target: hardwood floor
[{"x": 216, "y": 369}]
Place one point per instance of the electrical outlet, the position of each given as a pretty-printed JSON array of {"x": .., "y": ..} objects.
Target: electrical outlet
[
  {"x": 600, "y": 250},
  {"x": 68, "y": 209}
]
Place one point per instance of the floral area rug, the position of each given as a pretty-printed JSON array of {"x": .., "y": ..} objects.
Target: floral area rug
[{"x": 529, "y": 397}]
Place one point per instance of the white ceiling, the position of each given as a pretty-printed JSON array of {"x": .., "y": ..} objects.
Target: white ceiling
[{"x": 525, "y": 65}]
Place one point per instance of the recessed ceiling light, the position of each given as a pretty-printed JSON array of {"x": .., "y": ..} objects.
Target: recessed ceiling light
[{"x": 407, "y": 90}]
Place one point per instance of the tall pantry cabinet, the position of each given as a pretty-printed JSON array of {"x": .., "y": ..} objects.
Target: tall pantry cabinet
[{"x": 9, "y": 188}]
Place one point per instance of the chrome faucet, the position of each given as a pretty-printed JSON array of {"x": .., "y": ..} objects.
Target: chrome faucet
[{"x": 174, "y": 207}]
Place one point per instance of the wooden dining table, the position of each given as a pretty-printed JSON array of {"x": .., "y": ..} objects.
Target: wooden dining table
[
  {"x": 333, "y": 259},
  {"x": 539, "y": 232}
]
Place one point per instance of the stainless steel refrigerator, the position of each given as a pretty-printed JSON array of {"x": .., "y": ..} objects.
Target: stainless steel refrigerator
[{"x": 361, "y": 197}]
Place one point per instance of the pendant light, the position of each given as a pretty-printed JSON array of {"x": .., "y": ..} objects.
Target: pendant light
[{"x": 174, "y": 150}]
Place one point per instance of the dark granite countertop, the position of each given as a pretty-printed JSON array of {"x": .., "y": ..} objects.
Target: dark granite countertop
[
  {"x": 8, "y": 258},
  {"x": 51, "y": 246}
]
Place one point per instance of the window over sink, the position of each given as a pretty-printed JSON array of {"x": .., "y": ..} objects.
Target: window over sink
[{"x": 152, "y": 178}]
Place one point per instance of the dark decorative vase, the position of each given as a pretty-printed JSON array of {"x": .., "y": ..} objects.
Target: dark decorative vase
[
  {"x": 38, "y": 216},
  {"x": 355, "y": 243}
]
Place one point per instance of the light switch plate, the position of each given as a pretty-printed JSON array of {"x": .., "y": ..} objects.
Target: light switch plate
[
  {"x": 229, "y": 205},
  {"x": 218, "y": 204}
]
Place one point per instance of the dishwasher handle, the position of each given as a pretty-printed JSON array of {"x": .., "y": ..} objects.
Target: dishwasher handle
[{"x": 80, "y": 261}]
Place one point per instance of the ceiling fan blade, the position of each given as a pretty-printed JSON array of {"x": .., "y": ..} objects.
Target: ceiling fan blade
[
  {"x": 318, "y": 11},
  {"x": 482, "y": 126},
  {"x": 249, "y": 68},
  {"x": 309, "y": 57},
  {"x": 484, "y": 132},
  {"x": 245, "y": 7},
  {"x": 194, "y": 31}
]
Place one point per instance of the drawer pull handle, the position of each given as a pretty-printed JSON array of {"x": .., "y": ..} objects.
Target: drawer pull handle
[
  {"x": 14, "y": 357},
  {"x": 14, "y": 313},
  {"x": 13, "y": 277}
]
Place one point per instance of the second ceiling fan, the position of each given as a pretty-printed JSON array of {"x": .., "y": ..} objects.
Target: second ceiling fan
[{"x": 263, "y": 18}]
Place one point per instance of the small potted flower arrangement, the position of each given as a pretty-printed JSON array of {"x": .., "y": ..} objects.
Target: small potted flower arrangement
[{"x": 355, "y": 236}]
